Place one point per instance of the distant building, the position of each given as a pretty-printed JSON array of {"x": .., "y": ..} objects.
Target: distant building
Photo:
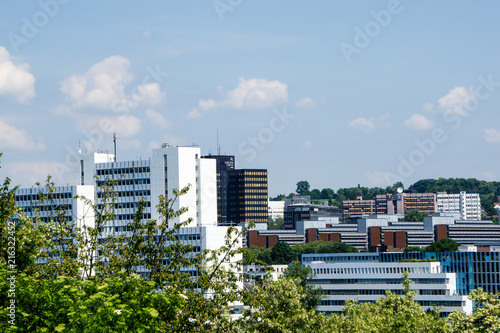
[
  {"x": 358, "y": 207},
  {"x": 398, "y": 203},
  {"x": 468, "y": 205},
  {"x": 307, "y": 212},
  {"x": 367, "y": 281},
  {"x": 276, "y": 209},
  {"x": 248, "y": 196}
]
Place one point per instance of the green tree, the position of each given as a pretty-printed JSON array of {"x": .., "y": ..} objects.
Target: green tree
[
  {"x": 327, "y": 193},
  {"x": 303, "y": 274},
  {"x": 392, "y": 313},
  {"x": 484, "y": 318},
  {"x": 282, "y": 254},
  {"x": 277, "y": 306},
  {"x": 414, "y": 215},
  {"x": 303, "y": 187},
  {"x": 414, "y": 249},
  {"x": 443, "y": 245},
  {"x": 275, "y": 224},
  {"x": 116, "y": 304}
]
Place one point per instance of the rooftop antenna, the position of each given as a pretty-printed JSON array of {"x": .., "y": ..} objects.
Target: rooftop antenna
[
  {"x": 114, "y": 143},
  {"x": 218, "y": 146}
]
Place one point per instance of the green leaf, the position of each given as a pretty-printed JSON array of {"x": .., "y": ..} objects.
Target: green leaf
[{"x": 60, "y": 328}]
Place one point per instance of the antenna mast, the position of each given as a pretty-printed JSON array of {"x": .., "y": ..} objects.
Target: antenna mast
[
  {"x": 218, "y": 147},
  {"x": 114, "y": 143}
]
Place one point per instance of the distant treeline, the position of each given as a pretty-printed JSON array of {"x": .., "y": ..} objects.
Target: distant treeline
[{"x": 489, "y": 191}]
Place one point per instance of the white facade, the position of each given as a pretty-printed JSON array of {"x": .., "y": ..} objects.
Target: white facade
[
  {"x": 468, "y": 205},
  {"x": 77, "y": 209},
  {"x": 276, "y": 209},
  {"x": 369, "y": 281},
  {"x": 169, "y": 168}
]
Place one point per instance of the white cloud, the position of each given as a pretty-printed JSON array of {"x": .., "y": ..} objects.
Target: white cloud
[
  {"x": 457, "y": 101},
  {"x": 123, "y": 126},
  {"x": 103, "y": 87},
  {"x": 306, "y": 144},
  {"x": 488, "y": 175},
  {"x": 168, "y": 139},
  {"x": 15, "y": 80},
  {"x": 491, "y": 135},
  {"x": 380, "y": 178},
  {"x": 419, "y": 122},
  {"x": 27, "y": 174},
  {"x": 146, "y": 35},
  {"x": 363, "y": 124},
  {"x": 157, "y": 119},
  {"x": 13, "y": 138},
  {"x": 305, "y": 103},
  {"x": 428, "y": 107},
  {"x": 249, "y": 94},
  {"x": 128, "y": 144}
]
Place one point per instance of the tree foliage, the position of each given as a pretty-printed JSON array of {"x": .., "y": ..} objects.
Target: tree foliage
[
  {"x": 304, "y": 273},
  {"x": 282, "y": 254},
  {"x": 443, "y": 245},
  {"x": 414, "y": 215},
  {"x": 303, "y": 187},
  {"x": 276, "y": 224}
]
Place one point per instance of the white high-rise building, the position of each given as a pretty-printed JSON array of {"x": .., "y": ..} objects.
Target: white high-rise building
[
  {"x": 468, "y": 205},
  {"x": 168, "y": 168}
]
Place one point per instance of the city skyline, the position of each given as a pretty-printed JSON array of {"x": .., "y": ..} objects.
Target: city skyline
[{"x": 335, "y": 93}]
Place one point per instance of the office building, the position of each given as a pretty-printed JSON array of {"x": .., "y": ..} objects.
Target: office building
[
  {"x": 248, "y": 196},
  {"x": 468, "y": 205},
  {"x": 224, "y": 163},
  {"x": 301, "y": 209},
  {"x": 358, "y": 207},
  {"x": 276, "y": 209}
]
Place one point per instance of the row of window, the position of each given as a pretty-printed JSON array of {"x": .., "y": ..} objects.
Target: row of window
[
  {"x": 122, "y": 182},
  {"x": 378, "y": 281},
  {"x": 131, "y": 204},
  {"x": 121, "y": 171},
  {"x": 427, "y": 292},
  {"x": 31, "y": 209},
  {"x": 372, "y": 270},
  {"x": 123, "y": 194},
  {"x": 36, "y": 197}
]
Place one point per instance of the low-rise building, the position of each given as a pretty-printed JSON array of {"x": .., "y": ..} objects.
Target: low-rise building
[{"x": 367, "y": 283}]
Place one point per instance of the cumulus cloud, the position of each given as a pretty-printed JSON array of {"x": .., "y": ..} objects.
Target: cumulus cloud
[
  {"x": 428, "y": 107},
  {"x": 457, "y": 101},
  {"x": 380, "y": 178},
  {"x": 249, "y": 94},
  {"x": 419, "y": 122},
  {"x": 157, "y": 119},
  {"x": 146, "y": 34},
  {"x": 14, "y": 138},
  {"x": 305, "y": 103},
  {"x": 123, "y": 126},
  {"x": 15, "y": 80},
  {"x": 491, "y": 135},
  {"x": 363, "y": 124},
  {"x": 103, "y": 87}
]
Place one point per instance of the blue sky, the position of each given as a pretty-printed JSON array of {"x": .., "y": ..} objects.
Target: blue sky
[{"x": 338, "y": 93}]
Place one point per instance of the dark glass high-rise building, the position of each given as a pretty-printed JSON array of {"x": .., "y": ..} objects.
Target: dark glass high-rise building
[
  {"x": 224, "y": 163},
  {"x": 248, "y": 196}
]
